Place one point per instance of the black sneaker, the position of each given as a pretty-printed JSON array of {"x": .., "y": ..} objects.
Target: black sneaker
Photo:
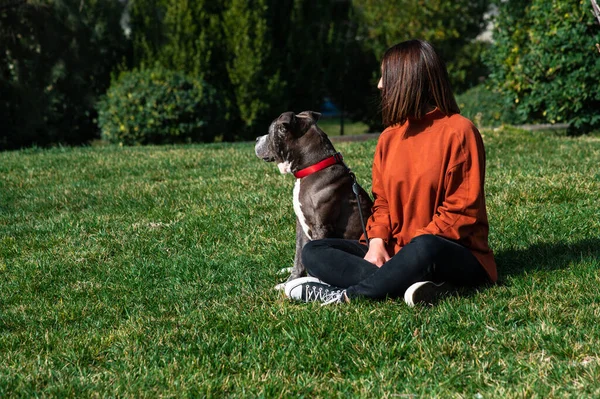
[
  {"x": 425, "y": 292},
  {"x": 311, "y": 289}
]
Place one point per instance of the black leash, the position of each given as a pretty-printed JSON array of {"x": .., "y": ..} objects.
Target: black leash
[{"x": 356, "y": 190}]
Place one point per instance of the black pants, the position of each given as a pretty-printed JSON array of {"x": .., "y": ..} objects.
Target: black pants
[{"x": 341, "y": 263}]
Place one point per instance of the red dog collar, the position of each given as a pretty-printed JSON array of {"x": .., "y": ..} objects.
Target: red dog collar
[{"x": 327, "y": 162}]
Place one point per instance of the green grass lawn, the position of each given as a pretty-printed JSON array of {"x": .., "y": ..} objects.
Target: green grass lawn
[
  {"x": 332, "y": 127},
  {"x": 148, "y": 272}
]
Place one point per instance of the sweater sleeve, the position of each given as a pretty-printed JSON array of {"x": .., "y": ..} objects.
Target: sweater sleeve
[
  {"x": 464, "y": 200},
  {"x": 378, "y": 225}
]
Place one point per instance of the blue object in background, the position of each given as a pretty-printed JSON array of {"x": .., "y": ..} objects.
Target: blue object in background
[{"x": 329, "y": 109}]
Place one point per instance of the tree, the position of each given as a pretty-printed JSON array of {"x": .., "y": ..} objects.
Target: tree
[
  {"x": 253, "y": 71},
  {"x": 264, "y": 56},
  {"x": 57, "y": 60},
  {"x": 451, "y": 26},
  {"x": 545, "y": 63},
  {"x": 186, "y": 36}
]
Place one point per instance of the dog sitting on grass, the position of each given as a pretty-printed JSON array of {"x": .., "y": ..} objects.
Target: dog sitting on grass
[{"x": 324, "y": 201}]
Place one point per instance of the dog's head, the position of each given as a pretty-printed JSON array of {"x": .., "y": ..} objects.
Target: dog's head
[{"x": 286, "y": 141}]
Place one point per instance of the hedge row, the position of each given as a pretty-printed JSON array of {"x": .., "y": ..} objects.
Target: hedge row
[{"x": 159, "y": 106}]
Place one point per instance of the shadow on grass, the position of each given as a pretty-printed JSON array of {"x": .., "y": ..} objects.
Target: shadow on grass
[
  {"x": 536, "y": 258},
  {"x": 545, "y": 257}
]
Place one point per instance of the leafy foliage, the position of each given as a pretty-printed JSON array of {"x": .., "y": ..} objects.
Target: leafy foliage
[
  {"x": 544, "y": 60},
  {"x": 451, "y": 26},
  {"x": 264, "y": 56},
  {"x": 252, "y": 70},
  {"x": 273, "y": 56},
  {"x": 156, "y": 106},
  {"x": 186, "y": 36},
  {"x": 56, "y": 60},
  {"x": 480, "y": 104}
]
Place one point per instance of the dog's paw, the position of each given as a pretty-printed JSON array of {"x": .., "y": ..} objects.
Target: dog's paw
[
  {"x": 285, "y": 270},
  {"x": 280, "y": 287}
]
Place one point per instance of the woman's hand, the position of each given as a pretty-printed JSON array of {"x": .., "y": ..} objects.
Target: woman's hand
[{"x": 377, "y": 253}]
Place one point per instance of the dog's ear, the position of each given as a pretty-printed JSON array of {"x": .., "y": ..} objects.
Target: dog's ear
[
  {"x": 287, "y": 119},
  {"x": 306, "y": 119},
  {"x": 315, "y": 116}
]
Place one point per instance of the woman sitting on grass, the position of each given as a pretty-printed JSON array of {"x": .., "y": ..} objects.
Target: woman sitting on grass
[{"x": 429, "y": 227}]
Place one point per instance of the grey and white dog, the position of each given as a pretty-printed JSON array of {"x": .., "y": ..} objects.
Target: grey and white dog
[{"x": 324, "y": 202}]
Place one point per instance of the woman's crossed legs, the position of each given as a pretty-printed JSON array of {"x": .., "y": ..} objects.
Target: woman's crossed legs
[{"x": 341, "y": 263}]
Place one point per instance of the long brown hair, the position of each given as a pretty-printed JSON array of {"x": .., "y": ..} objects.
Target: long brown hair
[{"x": 414, "y": 79}]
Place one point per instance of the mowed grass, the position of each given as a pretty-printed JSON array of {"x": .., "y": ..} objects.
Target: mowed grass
[
  {"x": 332, "y": 126},
  {"x": 148, "y": 272}
]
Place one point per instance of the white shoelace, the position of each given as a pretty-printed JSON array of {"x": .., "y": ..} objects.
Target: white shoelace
[
  {"x": 325, "y": 295},
  {"x": 317, "y": 294},
  {"x": 334, "y": 297}
]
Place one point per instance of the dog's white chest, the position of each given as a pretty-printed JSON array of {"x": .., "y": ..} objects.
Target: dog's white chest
[{"x": 298, "y": 209}]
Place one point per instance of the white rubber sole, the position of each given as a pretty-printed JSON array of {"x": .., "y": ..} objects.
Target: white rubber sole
[{"x": 423, "y": 292}]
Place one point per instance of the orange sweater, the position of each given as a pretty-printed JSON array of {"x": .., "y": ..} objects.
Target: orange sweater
[{"x": 428, "y": 178}]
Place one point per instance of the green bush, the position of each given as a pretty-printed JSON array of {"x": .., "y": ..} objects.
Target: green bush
[
  {"x": 545, "y": 62},
  {"x": 485, "y": 107},
  {"x": 158, "y": 106}
]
